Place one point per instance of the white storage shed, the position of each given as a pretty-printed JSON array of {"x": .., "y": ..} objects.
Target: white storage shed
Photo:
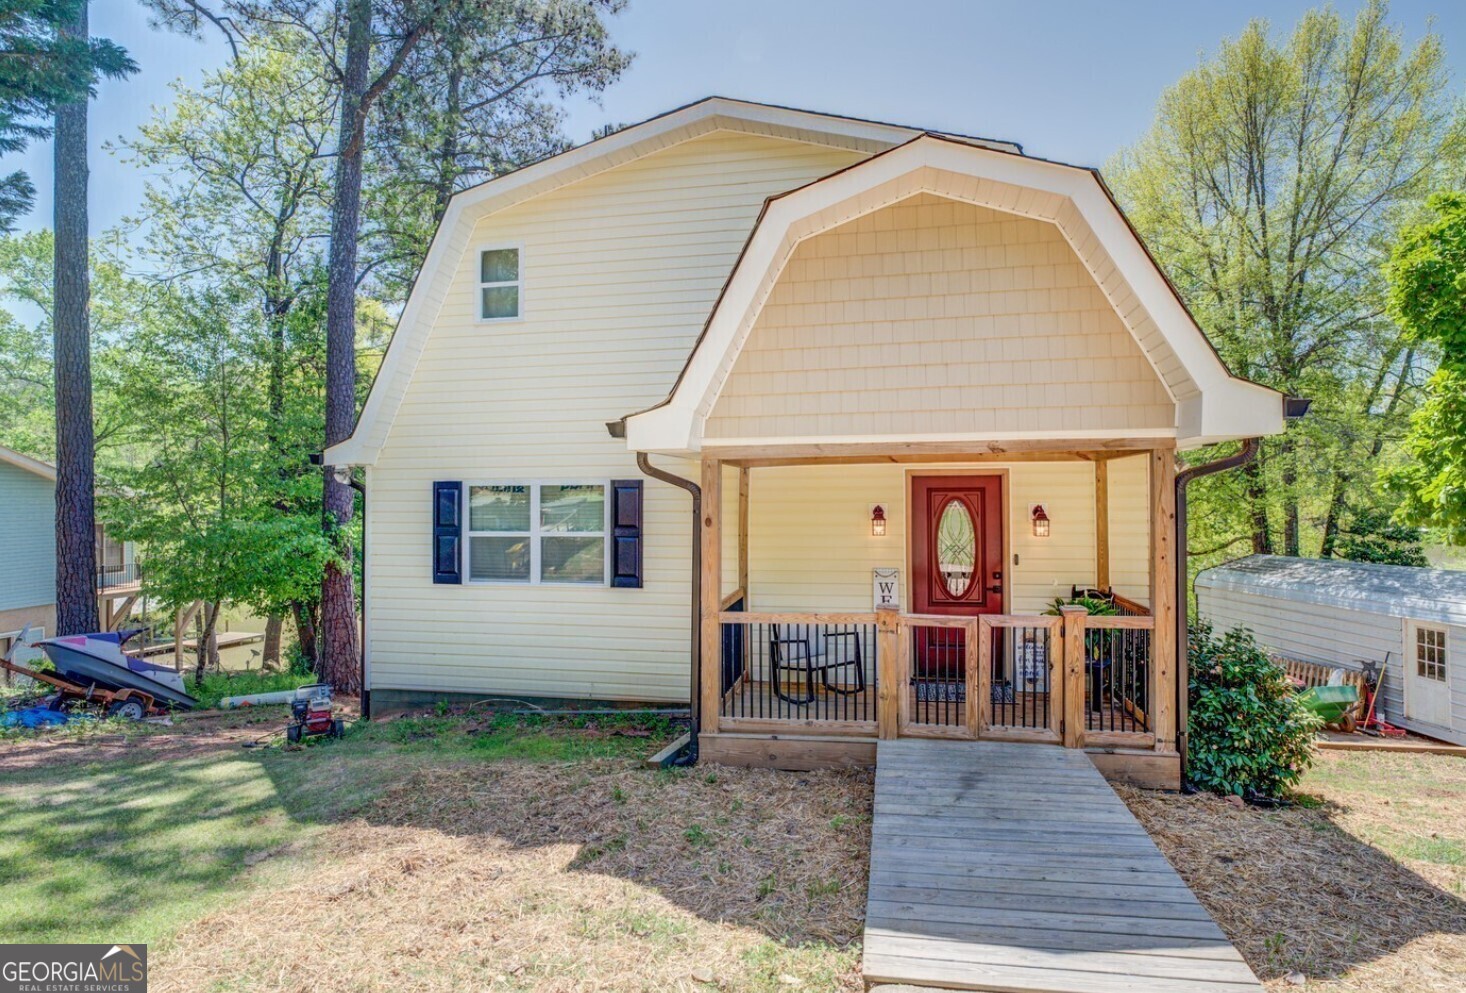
[{"x": 1410, "y": 619}]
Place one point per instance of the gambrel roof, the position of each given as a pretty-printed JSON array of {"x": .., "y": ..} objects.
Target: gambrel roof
[
  {"x": 1212, "y": 404},
  {"x": 629, "y": 144}
]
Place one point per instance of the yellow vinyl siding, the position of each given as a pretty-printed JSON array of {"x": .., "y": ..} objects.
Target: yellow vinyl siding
[
  {"x": 1130, "y": 527},
  {"x": 619, "y": 271},
  {"x": 810, "y": 546},
  {"x": 933, "y": 316}
]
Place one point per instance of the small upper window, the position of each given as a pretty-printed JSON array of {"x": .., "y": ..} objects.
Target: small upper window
[{"x": 499, "y": 284}]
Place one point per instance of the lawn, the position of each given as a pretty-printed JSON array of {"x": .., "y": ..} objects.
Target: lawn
[
  {"x": 445, "y": 852},
  {"x": 434, "y": 853}
]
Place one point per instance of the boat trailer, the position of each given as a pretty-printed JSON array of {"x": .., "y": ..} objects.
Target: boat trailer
[{"x": 126, "y": 703}]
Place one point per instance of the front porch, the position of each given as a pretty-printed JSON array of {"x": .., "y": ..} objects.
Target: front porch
[{"x": 793, "y": 675}]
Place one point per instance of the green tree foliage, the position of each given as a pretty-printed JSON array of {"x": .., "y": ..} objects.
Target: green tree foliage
[
  {"x": 27, "y": 384},
  {"x": 1247, "y": 734},
  {"x": 1373, "y": 536},
  {"x": 39, "y": 69},
  {"x": 205, "y": 502},
  {"x": 1427, "y": 274},
  {"x": 1270, "y": 187}
]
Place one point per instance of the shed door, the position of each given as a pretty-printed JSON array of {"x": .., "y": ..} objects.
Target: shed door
[{"x": 1427, "y": 674}]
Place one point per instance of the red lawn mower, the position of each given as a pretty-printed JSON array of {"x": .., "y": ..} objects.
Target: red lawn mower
[{"x": 311, "y": 715}]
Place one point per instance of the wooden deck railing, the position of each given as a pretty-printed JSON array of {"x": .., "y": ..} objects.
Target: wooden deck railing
[{"x": 1073, "y": 678}]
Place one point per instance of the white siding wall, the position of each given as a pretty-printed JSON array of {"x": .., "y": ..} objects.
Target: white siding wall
[
  {"x": 1336, "y": 636},
  {"x": 620, "y": 272},
  {"x": 1130, "y": 527},
  {"x": 938, "y": 316},
  {"x": 810, "y": 546}
]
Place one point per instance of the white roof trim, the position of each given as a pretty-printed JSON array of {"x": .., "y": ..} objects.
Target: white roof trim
[
  {"x": 470, "y": 206},
  {"x": 1212, "y": 405},
  {"x": 43, "y": 469}
]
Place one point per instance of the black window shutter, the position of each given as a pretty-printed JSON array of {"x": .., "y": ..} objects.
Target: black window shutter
[
  {"x": 626, "y": 533},
  {"x": 447, "y": 532}
]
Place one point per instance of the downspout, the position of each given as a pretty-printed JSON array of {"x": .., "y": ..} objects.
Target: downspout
[
  {"x": 1183, "y": 608},
  {"x": 689, "y": 754},
  {"x": 345, "y": 477},
  {"x": 365, "y": 697},
  {"x": 1293, "y": 409}
]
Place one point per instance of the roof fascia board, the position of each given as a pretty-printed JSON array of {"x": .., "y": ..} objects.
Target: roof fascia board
[{"x": 35, "y": 466}]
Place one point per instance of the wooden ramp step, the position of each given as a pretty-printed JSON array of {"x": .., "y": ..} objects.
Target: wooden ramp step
[{"x": 1015, "y": 868}]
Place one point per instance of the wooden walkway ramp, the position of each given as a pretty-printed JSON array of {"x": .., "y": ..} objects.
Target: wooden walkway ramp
[{"x": 1015, "y": 868}]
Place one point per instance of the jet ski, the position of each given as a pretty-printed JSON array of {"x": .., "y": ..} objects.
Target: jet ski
[{"x": 98, "y": 660}]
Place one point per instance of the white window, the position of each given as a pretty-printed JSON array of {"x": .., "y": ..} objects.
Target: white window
[
  {"x": 537, "y": 533},
  {"x": 499, "y": 284},
  {"x": 1430, "y": 653}
]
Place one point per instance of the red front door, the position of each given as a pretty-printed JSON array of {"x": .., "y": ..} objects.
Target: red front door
[{"x": 956, "y": 561}]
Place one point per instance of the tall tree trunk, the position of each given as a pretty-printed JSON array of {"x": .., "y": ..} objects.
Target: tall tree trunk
[
  {"x": 76, "y": 536},
  {"x": 448, "y": 146},
  {"x": 1342, "y": 477},
  {"x": 270, "y": 654},
  {"x": 1335, "y": 512},
  {"x": 1262, "y": 541},
  {"x": 340, "y": 664},
  {"x": 207, "y": 649},
  {"x": 305, "y": 633},
  {"x": 1291, "y": 539}
]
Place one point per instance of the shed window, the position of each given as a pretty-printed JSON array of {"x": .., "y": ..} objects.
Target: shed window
[
  {"x": 1430, "y": 653},
  {"x": 499, "y": 284},
  {"x": 537, "y": 533}
]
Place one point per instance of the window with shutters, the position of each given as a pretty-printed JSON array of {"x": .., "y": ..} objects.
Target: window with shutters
[
  {"x": 500, "y": 285},
  {"x": 552, "y": 533}
]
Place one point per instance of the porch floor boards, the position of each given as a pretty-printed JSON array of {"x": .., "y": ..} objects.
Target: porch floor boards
[{"x": 1063, "y": 893}]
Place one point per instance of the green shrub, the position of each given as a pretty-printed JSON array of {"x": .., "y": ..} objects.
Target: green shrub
[{"x": 1248, "y": 734}]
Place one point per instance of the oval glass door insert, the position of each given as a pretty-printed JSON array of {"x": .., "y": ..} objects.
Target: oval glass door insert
[{"x": 956, "y": 547}]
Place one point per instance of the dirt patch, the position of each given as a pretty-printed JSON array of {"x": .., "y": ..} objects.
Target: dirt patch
[
  {"x": 1311, "y": 890},
  {"x": 591, "y": 876},
  {"x": 185, "y": 735}
]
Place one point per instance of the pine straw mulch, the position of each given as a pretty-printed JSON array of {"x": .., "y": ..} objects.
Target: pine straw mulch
[
  {"x": 1301, "y": 890},
  {"x": 557, "y": 878}
]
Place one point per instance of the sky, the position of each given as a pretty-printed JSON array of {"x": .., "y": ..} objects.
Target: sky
[{"x": 1069, "y": 80}]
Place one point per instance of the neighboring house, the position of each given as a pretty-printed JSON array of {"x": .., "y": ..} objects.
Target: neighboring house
[
  {"x": 1408, "y": 620},
  {"x": 28, "y": 537},
  {"x": 891, "y": 362}
]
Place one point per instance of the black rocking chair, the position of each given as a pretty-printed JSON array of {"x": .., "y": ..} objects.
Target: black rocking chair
[{"x": 797, "y": 655}]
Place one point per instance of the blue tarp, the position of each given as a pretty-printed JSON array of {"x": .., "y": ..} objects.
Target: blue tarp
[{"x": 34, "y": 717}]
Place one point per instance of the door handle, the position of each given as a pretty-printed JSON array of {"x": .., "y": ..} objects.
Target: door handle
[{"x": 995, "y": 588}]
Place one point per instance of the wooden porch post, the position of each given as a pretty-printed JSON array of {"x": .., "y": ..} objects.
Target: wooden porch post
[
  {"x": 1163, "y": 595},
  {"x": 712, "y": 594},
  {"x": 743, "y": 532},
  {"x": 1102, "y": 524},
  {"x": 1072, "y": 675},
  {"x": 889, "y": 679}
]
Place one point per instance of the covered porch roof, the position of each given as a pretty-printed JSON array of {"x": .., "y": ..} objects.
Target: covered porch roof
[{"x": 1210, "y": 403}]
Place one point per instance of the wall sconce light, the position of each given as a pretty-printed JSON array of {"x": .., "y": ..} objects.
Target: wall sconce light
[
  {"x": 878, "y": 521},
  {"x": 1040, "y": 521}
]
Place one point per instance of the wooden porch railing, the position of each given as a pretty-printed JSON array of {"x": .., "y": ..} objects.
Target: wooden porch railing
[{"x": 1075, "y": 679}]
